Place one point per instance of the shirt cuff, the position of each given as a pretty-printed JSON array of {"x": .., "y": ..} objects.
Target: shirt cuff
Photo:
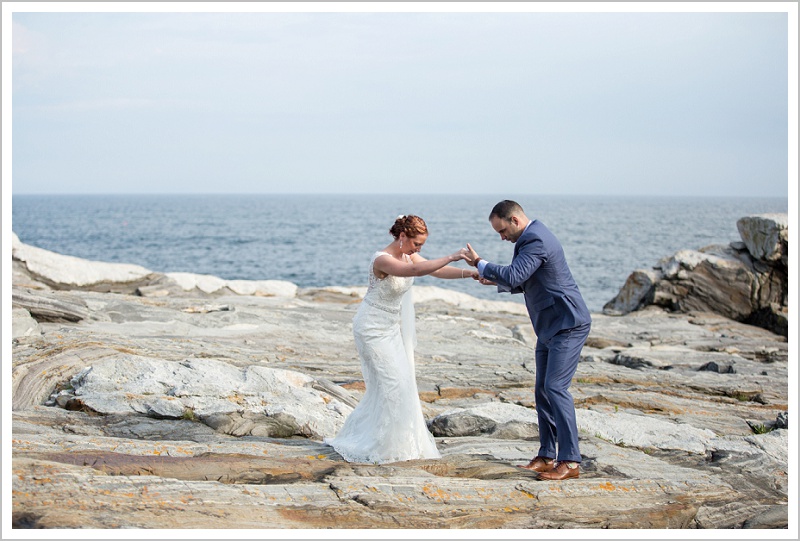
[{"x": 481, "y": 265}]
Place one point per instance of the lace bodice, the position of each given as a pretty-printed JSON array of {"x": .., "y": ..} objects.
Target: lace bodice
[{"x": 386, "y": 293}]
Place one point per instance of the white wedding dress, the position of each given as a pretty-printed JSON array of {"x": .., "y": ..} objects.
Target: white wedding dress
[{"x": 387, "y": 425}]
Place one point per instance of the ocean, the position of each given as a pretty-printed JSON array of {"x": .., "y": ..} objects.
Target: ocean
[{"x": 327, "y": 240}]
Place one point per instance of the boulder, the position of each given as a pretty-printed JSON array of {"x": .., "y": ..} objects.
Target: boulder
[
  {"x": 500, "y": 420},
  {"x": 766, "y": 236},
  {"x": 713, "y": 279},
  {"x": 638, "y": 291},
  {"x": 254, "y": 400},
  {"x": 746, "y": 280},
  {"x": 68, "y": 272}
]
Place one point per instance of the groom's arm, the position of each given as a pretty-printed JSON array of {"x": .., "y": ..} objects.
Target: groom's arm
[{"x": 527, "y": 261}]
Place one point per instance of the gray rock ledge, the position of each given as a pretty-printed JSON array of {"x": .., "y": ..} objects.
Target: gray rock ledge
[{"x": 192, "y": 410}]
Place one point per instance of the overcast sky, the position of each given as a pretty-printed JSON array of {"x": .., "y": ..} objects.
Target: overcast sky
[{"x": 644, "y": 103}]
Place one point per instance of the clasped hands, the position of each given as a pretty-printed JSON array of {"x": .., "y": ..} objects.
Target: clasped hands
[{"x": 472, "y": 258}]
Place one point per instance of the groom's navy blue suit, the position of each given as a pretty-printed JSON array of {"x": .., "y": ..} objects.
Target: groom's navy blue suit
[{"x": 561, "y": 321}]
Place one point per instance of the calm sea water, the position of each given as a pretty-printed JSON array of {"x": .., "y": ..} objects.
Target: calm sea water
[{"x": 320, "y": 240}]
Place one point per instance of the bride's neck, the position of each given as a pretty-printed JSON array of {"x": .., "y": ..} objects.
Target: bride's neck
[{"x": 394, "y": 250}]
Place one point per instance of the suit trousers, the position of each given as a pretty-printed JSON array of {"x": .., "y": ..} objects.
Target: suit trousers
[{"x": 556, "y": 362}]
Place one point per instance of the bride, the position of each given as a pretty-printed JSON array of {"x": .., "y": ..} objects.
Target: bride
[{"x": 387, "y": 425}]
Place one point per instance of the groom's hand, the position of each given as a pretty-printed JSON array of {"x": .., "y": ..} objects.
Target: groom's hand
[{"x": 472, "y": 256}]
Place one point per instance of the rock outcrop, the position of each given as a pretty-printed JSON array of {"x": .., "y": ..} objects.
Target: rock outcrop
[
  {"x": 38, "y": 268},
  {"x": 746, "y": 281},
  {"x": 190, "y": 409},
  {"x": 254, "y": 400}
]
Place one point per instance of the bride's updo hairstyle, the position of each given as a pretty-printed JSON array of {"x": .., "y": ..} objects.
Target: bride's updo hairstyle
[{"x": 410, "y": 225}]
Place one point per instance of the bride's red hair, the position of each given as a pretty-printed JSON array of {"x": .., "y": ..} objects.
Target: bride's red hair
[{"x": 410, "y": 225}]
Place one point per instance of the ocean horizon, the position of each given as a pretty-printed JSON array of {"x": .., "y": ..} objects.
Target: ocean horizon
[{"x": 317, "y": 240}]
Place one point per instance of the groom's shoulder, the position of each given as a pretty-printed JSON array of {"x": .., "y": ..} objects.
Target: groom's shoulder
[
  {"x": 536, "y": 234},
  {"x": 538, "y": 230},
  {"x": 533, "y": 231}
]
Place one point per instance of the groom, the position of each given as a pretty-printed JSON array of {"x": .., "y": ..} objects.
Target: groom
[{"x": 561, "y": 321}]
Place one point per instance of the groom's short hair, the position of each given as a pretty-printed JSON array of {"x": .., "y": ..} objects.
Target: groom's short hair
[{"x": 506, "y": 209}]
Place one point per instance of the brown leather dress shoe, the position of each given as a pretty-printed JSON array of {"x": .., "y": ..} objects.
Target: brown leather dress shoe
[
  {"x": 561, "y": 471},
  {"x": 540, "y": 464}
]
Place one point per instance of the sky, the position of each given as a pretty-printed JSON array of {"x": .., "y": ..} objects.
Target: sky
[{"x": 415, "y": 101}]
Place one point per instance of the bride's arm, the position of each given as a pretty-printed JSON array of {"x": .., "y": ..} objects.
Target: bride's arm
[
  {"x": 390, "y": 265},
  {"x": 447, "y": 272}
]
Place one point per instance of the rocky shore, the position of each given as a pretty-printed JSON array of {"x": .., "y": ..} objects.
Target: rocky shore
[
  {"x": 178, "y": 401},
  {"x": 746, "y": 280}
]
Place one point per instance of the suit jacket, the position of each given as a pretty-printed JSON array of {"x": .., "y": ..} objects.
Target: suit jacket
[{"x": 539, "y": 270}]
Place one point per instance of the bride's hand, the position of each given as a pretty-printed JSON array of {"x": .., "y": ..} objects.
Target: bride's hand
[
  {"x": 471, "y": 273},
  {"x": 459, "y": 255}
]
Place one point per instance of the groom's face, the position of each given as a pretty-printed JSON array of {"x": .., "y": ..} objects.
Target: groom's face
[{"x": 509, "y": 230}]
